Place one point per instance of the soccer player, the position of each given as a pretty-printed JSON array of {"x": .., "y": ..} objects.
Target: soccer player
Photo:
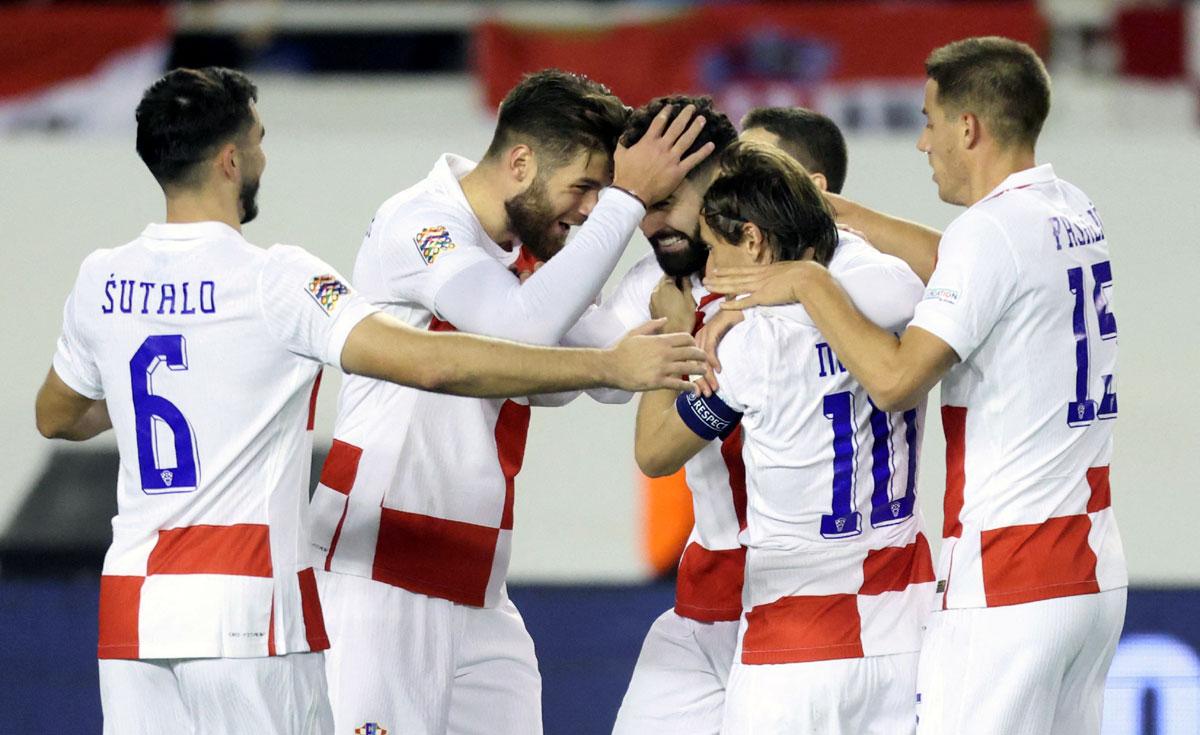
[
  {"x": 678, "y": 683},
  {"x": 413, "y": 516},
  {"x": 838, "y": 574},
  {"x": 203, "y": 353},
  {"x": 1017, "y": 323}
]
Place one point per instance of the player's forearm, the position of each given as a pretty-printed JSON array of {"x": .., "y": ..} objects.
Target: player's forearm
[
  {"x": 73, "y": 418},
  {"x": 912, "y": 242},
  {"x": 872, "y": 355},
  {"x": 656, "y": 454},
  {"x": 463, "y": 364},
  {"x": 560, "y": 291}
]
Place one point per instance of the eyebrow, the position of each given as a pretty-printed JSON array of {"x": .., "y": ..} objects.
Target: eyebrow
[{"x": 589, "y": 182}]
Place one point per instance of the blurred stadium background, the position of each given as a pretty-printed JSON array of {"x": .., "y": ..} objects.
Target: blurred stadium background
[{"x": 360, "y": 98}]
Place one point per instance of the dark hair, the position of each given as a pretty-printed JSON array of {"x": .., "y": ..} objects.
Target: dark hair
[
  {"x": 760, "y": 184},
  {"x": 558, "y": 114},
  {"x": 1001, "y": 81},
  {"x": 717, "y": 129},
  {"x": 186, "y": 114},
  {"x": 811, "y": 138}
]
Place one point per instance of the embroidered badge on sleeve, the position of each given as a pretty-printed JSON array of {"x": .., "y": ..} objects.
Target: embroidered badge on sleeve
[{"x": 432, "y": 242}]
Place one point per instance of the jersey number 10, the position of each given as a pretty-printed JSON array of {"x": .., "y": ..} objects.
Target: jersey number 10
[
  {"x": 844, "y": 520},
  {"x": 153, "y": 413}
]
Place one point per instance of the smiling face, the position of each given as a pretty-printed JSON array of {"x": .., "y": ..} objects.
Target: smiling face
[
  {"x": 558, "y": 198},
  {"x": 941, "y": 142},
  {"x": 672, "y": 225}
]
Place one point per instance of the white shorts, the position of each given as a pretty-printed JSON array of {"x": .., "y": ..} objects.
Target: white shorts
[
  {"x": 678, "y": 684},
  {"x": 421, "y": 665},
  {"x": 849, "y": 696},
  {"x": 283, "y": 695},
  {"x": 1038, "y": 667}
]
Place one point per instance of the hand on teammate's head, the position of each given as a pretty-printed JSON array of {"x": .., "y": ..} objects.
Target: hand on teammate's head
[{"x": 654, "y": 166}]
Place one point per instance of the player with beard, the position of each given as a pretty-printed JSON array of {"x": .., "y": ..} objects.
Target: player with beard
[
  {"x": 678, "y": 684},
  {"x": 203, "y": 353},
  {"x": 413, "y": 515}
]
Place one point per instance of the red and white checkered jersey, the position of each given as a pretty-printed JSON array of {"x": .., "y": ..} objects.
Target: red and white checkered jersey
[
  {"x": 417, "y": 491},
  {"x": 708, "y": 585},
  {"x": 208, "y": 351},
  {"x": 1022, "y": 292},
  {"x": 836, "y": 564}
]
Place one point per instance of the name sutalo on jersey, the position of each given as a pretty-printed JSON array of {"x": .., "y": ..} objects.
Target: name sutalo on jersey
[{"x": 125, "y": 296}]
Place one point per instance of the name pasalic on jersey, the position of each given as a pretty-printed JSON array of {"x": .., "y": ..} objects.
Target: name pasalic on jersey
[
  {"x": 126, "y": 296},
  {"x": 1073, "y": 232}
]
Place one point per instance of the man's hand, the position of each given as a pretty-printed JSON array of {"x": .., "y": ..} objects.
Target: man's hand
[
  {"x": 654, "y": 166},
  {"x": 674, "y": 303},
  {"x": 764, "y": 285},
  {"x": 645, "y": 360}
]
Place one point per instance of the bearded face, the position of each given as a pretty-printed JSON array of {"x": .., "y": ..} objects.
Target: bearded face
[
  {"x": 679, "y": 254},
  {"x": 533, "y": 220}
]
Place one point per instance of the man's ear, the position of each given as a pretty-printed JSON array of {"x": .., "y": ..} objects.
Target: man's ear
[
  {"x": 971, "y": 130},
  {"x": 755, "y": 242},
  {"x": 229, "y": 161},
  {"x": 521, "y": 163},
  {"x": 821, "y": 182}
]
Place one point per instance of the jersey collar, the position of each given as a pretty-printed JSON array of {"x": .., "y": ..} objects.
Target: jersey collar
[
  {"x": 175, "y": 232},
  {"x": 1043, "y": 174}
]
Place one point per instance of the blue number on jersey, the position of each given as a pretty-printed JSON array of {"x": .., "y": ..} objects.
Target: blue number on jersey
[
  {"x": 844, "y": 521},
  {"x": 1083, "y": 410},
  {"x": 150, "y": 410}
]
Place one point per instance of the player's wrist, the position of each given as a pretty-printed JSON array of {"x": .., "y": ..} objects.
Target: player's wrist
[{"x": 631, "y": 190}]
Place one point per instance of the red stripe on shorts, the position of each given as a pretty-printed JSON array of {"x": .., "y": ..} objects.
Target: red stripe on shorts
[
  {"x": 120, "y": 601},
  {"x": 894, "y": 569},
  {"x": 434, "y": 556},
  {"x": 708, "y": 586},
  {"x": 243, "y": 549},
  {"x": 1040, "y": 561},
  {"x": 954, "y": 423},
  {"x": 803, "y": 628}
]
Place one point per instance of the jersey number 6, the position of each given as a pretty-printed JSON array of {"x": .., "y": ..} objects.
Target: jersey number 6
[{"x": 172, "y": 467}]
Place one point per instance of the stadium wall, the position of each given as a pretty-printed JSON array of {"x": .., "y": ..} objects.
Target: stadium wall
[{"x": 337, "y": 148}]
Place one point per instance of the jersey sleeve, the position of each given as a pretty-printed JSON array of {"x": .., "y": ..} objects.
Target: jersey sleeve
[
  {"x": 308, "y": 305},
  {"x": 885, "y": 290},
  {"x": 629, "y": 302},
  {"x": 74, "y": 361},
  {"x": 742, "y": 386},
  {"x": 420, "y": 248},
  {"x": 972, "y": 286}
]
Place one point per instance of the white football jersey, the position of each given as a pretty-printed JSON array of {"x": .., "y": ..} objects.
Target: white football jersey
[
  {"x": 208, "y": 351},
  {"x": 417, "y": 491},
  {"x": 1022, "y": 292},
  {"x": 836, "y": 563},
  {"x": 708, "y": 582}
]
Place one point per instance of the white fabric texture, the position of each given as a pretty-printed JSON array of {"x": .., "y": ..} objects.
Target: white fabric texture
[{"x": 279, "y": 695}]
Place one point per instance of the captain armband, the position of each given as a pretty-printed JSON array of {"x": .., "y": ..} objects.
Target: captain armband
[{"x": 710, "y": 418}]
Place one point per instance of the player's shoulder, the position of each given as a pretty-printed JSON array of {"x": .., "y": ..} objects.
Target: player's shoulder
[
  {"x": 855, "y": 252},
  {"x": 645, "y": 273}
]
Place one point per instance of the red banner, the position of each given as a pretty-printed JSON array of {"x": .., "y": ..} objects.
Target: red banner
[{"x": 861, "y": 61}]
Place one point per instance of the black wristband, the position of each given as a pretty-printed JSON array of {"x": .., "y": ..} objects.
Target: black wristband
[{"x": 630, "y": 193}]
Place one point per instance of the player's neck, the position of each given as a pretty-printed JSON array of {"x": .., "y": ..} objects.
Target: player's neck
[
  {"x": 486, "y": 199},
  {"x": 183, "y": 208},
  {"x": 994, "y": 169}
]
